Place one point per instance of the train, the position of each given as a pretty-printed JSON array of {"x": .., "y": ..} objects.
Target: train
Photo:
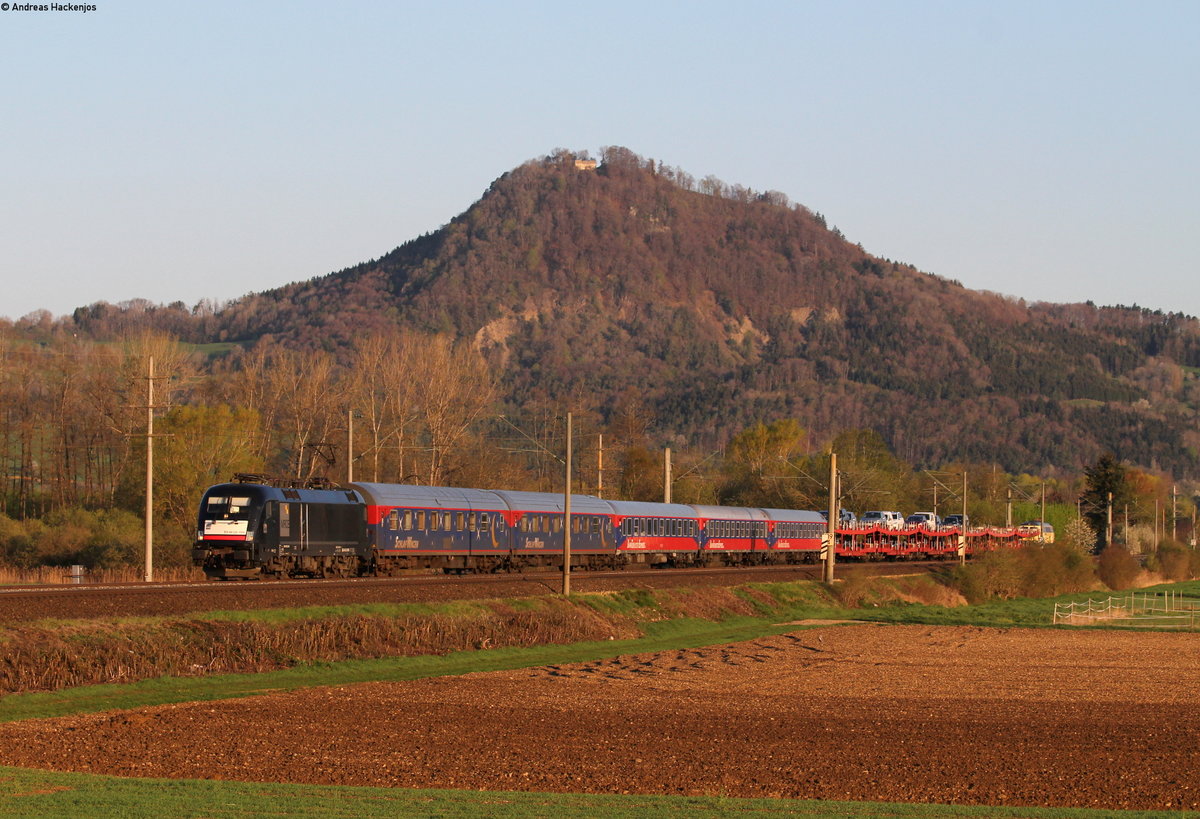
[{"x": 253, "y": 528}]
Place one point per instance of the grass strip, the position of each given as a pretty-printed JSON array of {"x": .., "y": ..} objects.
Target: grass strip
[
  {"x": 670, "y": 634},
  {"x": 53, "y": 794}
]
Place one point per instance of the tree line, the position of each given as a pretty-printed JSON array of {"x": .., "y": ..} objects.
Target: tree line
[{"x": 408, "y": 407}]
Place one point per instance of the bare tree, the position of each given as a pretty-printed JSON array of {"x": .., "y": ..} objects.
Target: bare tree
[{"x": 459, "y": 390}]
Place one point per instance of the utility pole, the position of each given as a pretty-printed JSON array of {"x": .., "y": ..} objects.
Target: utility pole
[
  {"x": 150, "y": 472},
  {"x": 566, "y": 578},
  {"x": 1008, "y": 514},
  {"x": 831, "y": 522},
  {"x": 150, "y": 408},
  {"x": 350, "y": 446},
  {"x": 962, "y": 529},
  {"x": 1108, "y": 513},
  {"x": 600, "y": 466},
  {"x": 1174, "y": 499},
  {"x": 667, "y": 476}
]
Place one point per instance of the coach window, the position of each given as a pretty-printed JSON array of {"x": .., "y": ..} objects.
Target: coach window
[
  {"x": 393, "y": 519},
  {"x": 406, "y": 522},
  {"x": 460, "y": 521},
  {"x": 485, "y": 522},
  {"x": 421, "y": 519}
]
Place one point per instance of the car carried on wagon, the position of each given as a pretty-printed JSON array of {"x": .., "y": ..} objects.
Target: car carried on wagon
[{"x": 929, "y": 520}]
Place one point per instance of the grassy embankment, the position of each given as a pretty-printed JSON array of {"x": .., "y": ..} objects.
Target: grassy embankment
[
  {"x": 50, "y": 794},
  {"x": 654, "y": 620}
]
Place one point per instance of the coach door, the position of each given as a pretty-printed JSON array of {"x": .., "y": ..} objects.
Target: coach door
[{"x": 293, "y": 525}]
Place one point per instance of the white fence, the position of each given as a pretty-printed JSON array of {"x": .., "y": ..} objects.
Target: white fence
[{"x": 1151, "y": 610}]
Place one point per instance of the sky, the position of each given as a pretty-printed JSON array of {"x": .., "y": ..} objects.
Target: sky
[{"x": 202, "y": 151}]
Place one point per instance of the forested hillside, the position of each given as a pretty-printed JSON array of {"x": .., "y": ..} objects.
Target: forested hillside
[{"x": 708, "y": 307}]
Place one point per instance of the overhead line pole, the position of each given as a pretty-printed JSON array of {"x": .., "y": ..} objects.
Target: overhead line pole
[
  {"x": 150, "y": 473},
  {"x": 667, "y": 475},
  {"x": 831, "y": 521},
  {"x": 962, "y": 534},
  {"x": 566, "y": 578}
]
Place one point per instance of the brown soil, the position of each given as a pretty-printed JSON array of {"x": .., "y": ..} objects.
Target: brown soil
[{"x": 865, "y": 712}]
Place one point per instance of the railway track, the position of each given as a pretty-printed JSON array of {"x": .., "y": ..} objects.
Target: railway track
[{"x": 26, "y": 604}]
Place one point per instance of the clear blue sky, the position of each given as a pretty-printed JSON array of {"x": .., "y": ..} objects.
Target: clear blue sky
[{"x": 188, "y": 151}]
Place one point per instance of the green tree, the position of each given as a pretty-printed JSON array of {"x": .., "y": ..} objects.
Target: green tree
[
  {"x": 874, "y": 478},
  {"x": 758, "y": 459},
  {"x": 1106, "y": 483},
  {"x": 203, "y": 446}
]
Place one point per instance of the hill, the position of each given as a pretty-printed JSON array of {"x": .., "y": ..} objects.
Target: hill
[{"x": 715, "y": 306}]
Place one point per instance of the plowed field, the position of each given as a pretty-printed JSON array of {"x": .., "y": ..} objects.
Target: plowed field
[{"x": 865, "y": 712}]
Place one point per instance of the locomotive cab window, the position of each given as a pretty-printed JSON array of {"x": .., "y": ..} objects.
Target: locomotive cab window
[{"x": 228, "y": 508}]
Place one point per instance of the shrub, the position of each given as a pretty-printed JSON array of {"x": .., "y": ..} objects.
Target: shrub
[
  {"x": 855, "y": 590},
  {"x": 1055, "y": 569},
  {"x": 97, "y": 539},
  {"x": 1139, "y": 539},
  {"x": 1118, "y": 568},
  {"x": 1027, "y": 571},
  {"x": 996, "y": 574},
  {"x": 1174, "y": 561}
]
